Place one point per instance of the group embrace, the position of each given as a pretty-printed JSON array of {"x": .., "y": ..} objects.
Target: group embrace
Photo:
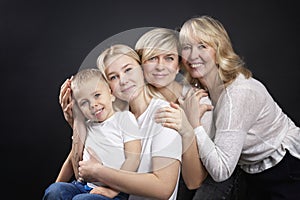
[{"x": 177, "y": 116}]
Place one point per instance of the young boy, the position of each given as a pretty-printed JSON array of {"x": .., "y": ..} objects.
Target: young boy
[{"x": 113, "y": 136}]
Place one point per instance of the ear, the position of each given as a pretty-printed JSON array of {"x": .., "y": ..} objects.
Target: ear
[{"x": 113, "y": 98}]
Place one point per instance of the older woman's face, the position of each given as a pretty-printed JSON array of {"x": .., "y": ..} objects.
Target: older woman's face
[
  {"x": 125, "y": 77},
  {"x": 198, "y": 59}
]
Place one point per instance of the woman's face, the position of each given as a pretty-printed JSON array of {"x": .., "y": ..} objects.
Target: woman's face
[
  {"x": 125, "y": 77},
  {"x": 198, "y": 59},
  {"x": 161, "y": 70}
]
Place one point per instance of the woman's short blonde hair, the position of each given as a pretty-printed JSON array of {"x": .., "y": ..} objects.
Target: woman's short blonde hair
[{"x": 157, "y": 41}]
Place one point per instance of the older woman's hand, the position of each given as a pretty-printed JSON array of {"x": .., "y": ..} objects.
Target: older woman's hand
[{"x": 192, "y": 107}]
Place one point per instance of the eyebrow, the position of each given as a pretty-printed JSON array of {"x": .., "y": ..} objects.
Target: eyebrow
[{"x": 121, "y": 68}]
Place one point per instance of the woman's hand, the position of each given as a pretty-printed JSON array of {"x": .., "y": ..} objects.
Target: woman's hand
[
  {"x": 173, "y": 117},
  {"x": 108, "y": 192},
  {"x": 192, "y": 107},
  {"x": 65, "y": 101},
  {"x": 89, "y": 168}
]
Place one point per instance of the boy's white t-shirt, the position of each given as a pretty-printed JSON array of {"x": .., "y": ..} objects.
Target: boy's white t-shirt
[
  {"x": 157, "y": 141},
  {"x": 107, "y": 139}
]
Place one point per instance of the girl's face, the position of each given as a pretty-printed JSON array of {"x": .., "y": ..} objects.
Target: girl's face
[
  {"x": 198, "y": 59},
  {"x": 94, "y": 99},
  {"x": 161, "y": 70},
  {"x": 125, "y": 77}
]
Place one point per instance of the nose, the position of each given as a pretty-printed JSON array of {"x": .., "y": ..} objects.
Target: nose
[
  {"x": 123, "y": 79},
  {"x": 194, "y": 53},
  {"x": 94, "y": 104},
  {"x": 160, "y": 65}
]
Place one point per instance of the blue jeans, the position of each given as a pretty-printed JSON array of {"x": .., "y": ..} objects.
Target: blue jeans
[{"x": 75, "y": 191}]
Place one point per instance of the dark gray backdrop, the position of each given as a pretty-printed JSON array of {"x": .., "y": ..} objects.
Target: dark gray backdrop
[{"x": 44, "y": 42}]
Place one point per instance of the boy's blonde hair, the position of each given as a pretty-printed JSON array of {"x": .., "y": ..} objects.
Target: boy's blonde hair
[{"x": 85, "y": 75}]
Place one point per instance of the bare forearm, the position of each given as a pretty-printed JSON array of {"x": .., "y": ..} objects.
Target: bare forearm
[
  {"x": 193, "y": 171},
  {"x": 131, "y": 163},
  {"x": 79, "y": 135},
  {"x": 145, "y": 184},
  {"x": 66, "y": 171}
]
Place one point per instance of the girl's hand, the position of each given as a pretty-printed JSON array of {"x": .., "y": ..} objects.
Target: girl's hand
[
  {"x": 87, "y": 169},
  {"x": 65, "y": 101},
  {"x": 108, "y": 192}
]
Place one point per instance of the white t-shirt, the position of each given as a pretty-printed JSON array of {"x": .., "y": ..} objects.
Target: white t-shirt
[
  {"x": 107, "y": 139},
  {"x": 251, "y": 130},
  {"x": 157, "y": 141}
]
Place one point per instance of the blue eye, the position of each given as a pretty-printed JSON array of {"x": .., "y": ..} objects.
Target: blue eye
[
  {"x": 97, "y": 95},
  {"x": 83, "y": 103},
  {"x": 152, "y": 59},
  {"x": 112, "y": 78},
  {"x": 128, "y": 69},
  {"x": 169, "y": 58},
  {"x": 201, "y": 46},
  {"x": 186, "y": 47}
]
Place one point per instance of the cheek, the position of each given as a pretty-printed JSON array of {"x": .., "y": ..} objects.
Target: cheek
[{"x": 113, "y": 87}]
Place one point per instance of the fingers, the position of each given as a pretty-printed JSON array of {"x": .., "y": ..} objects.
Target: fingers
[
  {"x": 174, "y": 105},
  {"x": 65, "y": 87}
]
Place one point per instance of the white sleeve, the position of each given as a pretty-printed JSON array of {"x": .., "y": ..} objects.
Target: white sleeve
[
  {"x": 129, "y": 127},
  {"x": 167, "y": 144},
  {"x": 235, "y": 114}
]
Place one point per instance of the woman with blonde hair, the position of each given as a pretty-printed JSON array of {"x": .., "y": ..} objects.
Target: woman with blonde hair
[
  {"x": 251, "y": 130},
  {"x": 158, "y": 173},
  {"x": 159, "y": 50}
]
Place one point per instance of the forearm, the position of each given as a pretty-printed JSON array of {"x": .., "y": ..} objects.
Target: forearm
[
  {"x": 193, "y": 172},
  {"x": 66, "y": 171},
  {"x": 79, "y": 135},
  {"x": 131, "y": 163},
  {"x": 154, "y": 185}
]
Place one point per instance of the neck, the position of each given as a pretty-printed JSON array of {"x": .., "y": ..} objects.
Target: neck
[
  {"x": 139, "y": 104},
  {"x": 214, "y": 85},
  {"x": 171, "y": 92}
]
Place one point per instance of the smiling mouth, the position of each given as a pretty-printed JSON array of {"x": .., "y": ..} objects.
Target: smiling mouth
[
  {"x": 195, "y": 65},
  {"x": 159, "y": 75},
  {"x": 97, "y": 112},
  {"x": 127, "y": 89}
]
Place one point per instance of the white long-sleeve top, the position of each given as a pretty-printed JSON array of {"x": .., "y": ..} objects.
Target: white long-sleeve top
[{"x": 251, "y": 131}]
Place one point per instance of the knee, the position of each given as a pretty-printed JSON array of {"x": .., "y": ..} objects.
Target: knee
[{"x": 54, "y": 191}]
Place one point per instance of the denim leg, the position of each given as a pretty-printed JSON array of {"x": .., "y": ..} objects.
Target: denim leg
[
  {"x": 63, "y": 190},
  {"x": 212, "y": 190},
  {"x": 87, "y": 196}
]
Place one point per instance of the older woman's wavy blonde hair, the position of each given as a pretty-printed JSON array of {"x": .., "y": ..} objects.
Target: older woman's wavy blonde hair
[{"x": 210, "y": 31}]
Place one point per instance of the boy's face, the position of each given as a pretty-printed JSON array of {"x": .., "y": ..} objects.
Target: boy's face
[{"x": 94, "y": 99}]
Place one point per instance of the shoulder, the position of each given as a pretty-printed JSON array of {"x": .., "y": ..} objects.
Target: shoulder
[{"x": 159, "y": 102}]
